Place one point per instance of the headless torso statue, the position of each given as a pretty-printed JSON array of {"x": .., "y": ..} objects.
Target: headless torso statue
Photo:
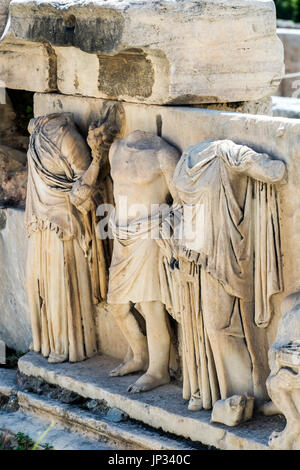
[
  {"x": 142, "y": 167},
  {"x": 62, "y": 283},
  {"x": 229, "y": 271}
]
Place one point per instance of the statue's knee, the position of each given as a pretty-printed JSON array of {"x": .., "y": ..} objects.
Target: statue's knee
[
  {"x": 154, "y": 310},
  {"x": 120, "y": 312}
]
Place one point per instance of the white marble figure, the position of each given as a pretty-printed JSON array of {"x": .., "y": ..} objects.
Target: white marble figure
[
  {"x": 227, "y": 274},
  {"x": 142, "y": 167},
  {"x": 62, "y": 283}
]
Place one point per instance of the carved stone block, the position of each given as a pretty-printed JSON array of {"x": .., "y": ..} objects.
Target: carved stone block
[{"x": 152, "y": 52}]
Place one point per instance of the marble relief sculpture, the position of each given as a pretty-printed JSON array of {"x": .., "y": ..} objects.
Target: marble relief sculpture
[
  {"x": 221, "y": 277},
  {"x": 142, "y": 167},
  {"x": 66, "y": 269},
  {"x": 197, "y": 237}
]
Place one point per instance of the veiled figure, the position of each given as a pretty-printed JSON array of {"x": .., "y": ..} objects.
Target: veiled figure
[
  {"x": 62, "y": 275},
  {"x": 229, "y": 269}
]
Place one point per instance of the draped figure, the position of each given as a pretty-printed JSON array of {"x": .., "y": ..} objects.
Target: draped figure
[
  {"x": 66, "y": 266},
  {"x": 225, "y": 270}
]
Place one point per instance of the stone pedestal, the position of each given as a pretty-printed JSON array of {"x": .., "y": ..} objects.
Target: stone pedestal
[{"x": 162, "y": 408}]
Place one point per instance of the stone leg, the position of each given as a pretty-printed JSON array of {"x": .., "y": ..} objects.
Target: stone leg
[
  {"x": 159, "y": 348},
  {"x": 40, "y": 343},
  {"x": 137, "y": 357}
]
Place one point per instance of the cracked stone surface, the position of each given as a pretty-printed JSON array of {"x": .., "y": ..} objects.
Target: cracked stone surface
[{"x": 155, "y": 51}]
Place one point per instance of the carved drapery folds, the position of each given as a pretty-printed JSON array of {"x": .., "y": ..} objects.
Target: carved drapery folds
[
  {"x": 228, "y": 268},
  {"x": 67, "y": 263},
  {"x": 211, "y": 258}
]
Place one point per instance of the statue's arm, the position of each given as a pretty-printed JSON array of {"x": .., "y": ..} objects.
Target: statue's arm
[
  {"x": 87, "y": 181},
  {"x": 76, "y": 152},
  {"x": 168, "y": 159},
  {"x": 260, "y": 166}
]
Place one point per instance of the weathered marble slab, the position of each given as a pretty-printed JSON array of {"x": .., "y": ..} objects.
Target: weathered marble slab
[
  {"x": 166, "y": 51},
  {"x": 162, "y": 408},
  {"x": 31, "y": 67},
  {"x": 14, "y": 314}
]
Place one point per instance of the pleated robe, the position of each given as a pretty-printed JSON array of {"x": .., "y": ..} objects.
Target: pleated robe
[
  {"x": 62, "y": 241},
  {"x": 221, "y": 293}
]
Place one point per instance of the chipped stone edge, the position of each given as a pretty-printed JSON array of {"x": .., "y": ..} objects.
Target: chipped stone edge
[
  {"x": 81, "y": 421},
  {"x": 8, "y": 386},
  {"x": 89, "y": 426},
  {"x": 195, "y": 429}
]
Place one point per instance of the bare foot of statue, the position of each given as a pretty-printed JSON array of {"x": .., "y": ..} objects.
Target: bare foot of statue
[
  {"x": 132, "y": 365},
  {"x": 148, "y": 382},
  {"x": 57, "y": 358},
  {"x": 195, "y": 403}
]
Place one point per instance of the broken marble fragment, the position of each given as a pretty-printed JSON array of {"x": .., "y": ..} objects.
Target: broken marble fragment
[{"x": 233, "y": 411}]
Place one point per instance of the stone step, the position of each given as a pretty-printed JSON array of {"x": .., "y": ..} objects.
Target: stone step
[
  {"x": 126, "y": 436},
  {"x": 36, "y": 412},
  {"x": 13, "y": 422},
  {"x": 58, "y": 437},
  {"x": 162, "y": 408}
]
